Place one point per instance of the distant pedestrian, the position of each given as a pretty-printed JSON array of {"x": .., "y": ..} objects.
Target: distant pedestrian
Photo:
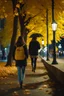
[
  {"x": 34, "y": 46},
  {"x": 20, "y": 57}
]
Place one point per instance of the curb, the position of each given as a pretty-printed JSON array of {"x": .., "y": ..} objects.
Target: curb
[{"x": 53, "y": 72}]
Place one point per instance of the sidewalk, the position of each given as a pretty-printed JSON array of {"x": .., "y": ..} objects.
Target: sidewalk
[
  {"x": 35, "y": 84},
  {"x": 56, "y": 71}
]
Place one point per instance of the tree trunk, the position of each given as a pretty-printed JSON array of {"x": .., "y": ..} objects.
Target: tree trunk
[{"x": 9, "y": 61}]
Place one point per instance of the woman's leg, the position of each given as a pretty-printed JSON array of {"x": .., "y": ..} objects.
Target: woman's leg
[
  {"x": 19, "y": 74},
  {"x": 23, "y": 73},
  {"x": 32, "y": 63},
  {"x": 35, "y": 59}
]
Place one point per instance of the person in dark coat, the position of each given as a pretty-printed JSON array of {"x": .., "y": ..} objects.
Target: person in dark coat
[
  {"x": 21, "y": 61},
  {"x": 34, "y": 46}
]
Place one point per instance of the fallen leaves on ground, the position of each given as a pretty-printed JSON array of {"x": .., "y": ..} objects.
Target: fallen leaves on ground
[
  {"x": 5, "y": 71},
  {"x": 15, "y": 93},
  {"x": 49, "y": 91},
  {"x": 26, "y": 91},
  {"x": 45, "y": 86}
]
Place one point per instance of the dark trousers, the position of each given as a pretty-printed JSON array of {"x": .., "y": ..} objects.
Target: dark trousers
[{"x": 33, "y": 62}]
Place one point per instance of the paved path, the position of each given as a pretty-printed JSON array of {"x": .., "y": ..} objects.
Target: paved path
[
  {"x": 35, "y": 84},
  {"x": 60, "y": 62}
]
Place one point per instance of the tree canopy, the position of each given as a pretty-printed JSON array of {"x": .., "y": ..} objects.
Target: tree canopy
[{"x": 37, "y": 10}]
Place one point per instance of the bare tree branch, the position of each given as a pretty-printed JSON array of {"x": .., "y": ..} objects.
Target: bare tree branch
[{"x": 28, "y": 20}]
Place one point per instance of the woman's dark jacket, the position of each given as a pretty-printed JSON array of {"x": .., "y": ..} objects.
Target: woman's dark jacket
[{"x": 33, "y": 48}]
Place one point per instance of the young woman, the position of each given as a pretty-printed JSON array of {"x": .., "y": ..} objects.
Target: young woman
[{"x": 21, "y": 55}]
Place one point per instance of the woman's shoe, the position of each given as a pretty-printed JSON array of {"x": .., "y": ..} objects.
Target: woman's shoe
[
  {"x": 32, "y": 69},
  {"x": 21, "y": 84}
]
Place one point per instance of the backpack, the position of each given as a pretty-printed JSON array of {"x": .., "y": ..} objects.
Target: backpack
[{"x": 19, "y": 53}]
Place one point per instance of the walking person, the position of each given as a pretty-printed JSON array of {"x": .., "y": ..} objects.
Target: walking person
[
  {"x": 34, "y": 46},
  {"x": 21, "y": 56}
]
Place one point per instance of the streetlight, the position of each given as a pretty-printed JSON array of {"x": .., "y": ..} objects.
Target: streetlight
[{"x": 54, "y": 27}]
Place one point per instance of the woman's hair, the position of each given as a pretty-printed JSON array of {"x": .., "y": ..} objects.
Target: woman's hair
[{"x": 20, "y": 41}]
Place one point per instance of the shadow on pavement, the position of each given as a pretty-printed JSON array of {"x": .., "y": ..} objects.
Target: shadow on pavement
[
  {"x": 9, "y": 91},
  {"x": 33, "y": 85},
  {"x": 28, "y": 86},
  {"x": 36, "y": 75}
]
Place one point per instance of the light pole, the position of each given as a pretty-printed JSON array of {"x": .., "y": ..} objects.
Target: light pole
[
  {"x": 54, "y": 27},
  {"x": 43, "y": 43},
  {"x": 43, "y": 48},
  {"x": 47, "y": 34}
]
